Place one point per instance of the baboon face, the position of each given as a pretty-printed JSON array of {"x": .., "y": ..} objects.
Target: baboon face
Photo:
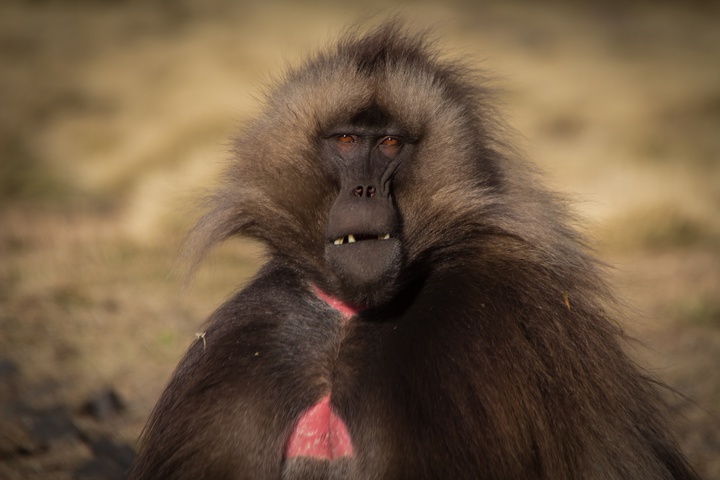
[
  {"x": 364, "y": 226},
  {"x": 376, "y": 162}
]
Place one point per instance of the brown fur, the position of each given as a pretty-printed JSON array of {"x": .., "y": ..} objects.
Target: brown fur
[{"x": 500, "y": 355}]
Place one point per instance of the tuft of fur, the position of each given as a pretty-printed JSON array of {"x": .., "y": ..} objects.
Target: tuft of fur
[{"x": 500, "y": 357}]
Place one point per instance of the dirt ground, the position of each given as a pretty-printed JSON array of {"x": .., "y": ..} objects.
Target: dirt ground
[{"x": 115, "y": 118}]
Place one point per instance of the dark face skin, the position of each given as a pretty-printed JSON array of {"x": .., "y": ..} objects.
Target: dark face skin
[{"x": 364, "y": 229}]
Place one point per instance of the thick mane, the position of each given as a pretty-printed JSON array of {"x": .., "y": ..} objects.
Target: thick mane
[
  {"x": 476, "y": 188},
  {"x": 385, "y": 72}
]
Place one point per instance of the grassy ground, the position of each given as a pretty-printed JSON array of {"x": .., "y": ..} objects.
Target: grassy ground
[{"x": 115, "y": 118}]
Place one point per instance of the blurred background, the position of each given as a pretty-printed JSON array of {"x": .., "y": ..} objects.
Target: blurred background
[{"x": 115, "y": 119}]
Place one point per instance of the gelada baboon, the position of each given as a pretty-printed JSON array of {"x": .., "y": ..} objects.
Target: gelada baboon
[{"x": 426, "y": 310}]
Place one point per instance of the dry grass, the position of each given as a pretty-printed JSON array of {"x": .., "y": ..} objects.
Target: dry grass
[{"x": 115, "y": 119}]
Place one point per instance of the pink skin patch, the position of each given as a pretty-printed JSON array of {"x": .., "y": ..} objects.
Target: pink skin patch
[
  {"x": 345, "y": 308},
  {"x": 320, "y": 433}
]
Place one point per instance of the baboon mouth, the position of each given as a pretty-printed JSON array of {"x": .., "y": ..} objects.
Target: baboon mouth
[
  {"x": 369, "y": 266},
  {"x": 360, "y": 237}
]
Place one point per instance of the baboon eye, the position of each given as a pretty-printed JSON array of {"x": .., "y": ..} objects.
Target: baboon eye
[
  {"x": 344, "y": 138},
  {"x": 390, "y": 142}
]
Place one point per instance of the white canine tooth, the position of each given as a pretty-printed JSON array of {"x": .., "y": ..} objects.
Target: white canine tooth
[
  {"x": 339, "y": 241},
  {"x": 351, "y": 239},
  {"x": 384, "y": 237}
]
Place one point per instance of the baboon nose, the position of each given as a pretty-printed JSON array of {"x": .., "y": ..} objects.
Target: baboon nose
[{"x": 368, "y": 191}]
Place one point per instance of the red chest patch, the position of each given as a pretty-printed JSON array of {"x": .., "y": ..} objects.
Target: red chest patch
[
  {"x": 345, "y": 308},
  {"x": 320, "y": 433}
]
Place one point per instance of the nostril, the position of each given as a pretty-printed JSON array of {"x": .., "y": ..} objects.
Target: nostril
[
  {"x": 358, "y": 191},
  {"x": 370, "y": 191}
]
